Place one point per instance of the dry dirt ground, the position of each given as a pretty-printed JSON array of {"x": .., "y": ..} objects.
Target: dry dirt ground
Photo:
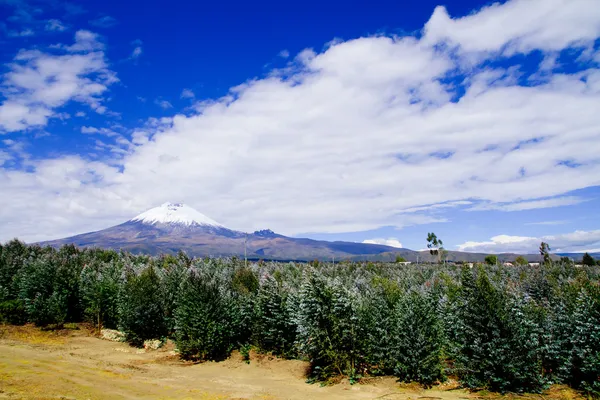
[{"x": 73, "y": 364}]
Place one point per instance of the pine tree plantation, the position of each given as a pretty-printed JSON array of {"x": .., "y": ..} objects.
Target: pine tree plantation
[{"x": 506, "y": 329}]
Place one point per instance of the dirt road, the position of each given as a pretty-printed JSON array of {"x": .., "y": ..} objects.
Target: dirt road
[{"x": 74, "y": 365}]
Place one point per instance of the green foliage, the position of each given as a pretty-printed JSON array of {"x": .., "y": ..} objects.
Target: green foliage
[
  {"x": 173, "y": 273},
  {"x": 275, "y": 330},
  {"x": 13, "y": 312},
  {"x": 328, "y": 329},
  {"x": 400, "y": 259},
  {"x": 492, "y": 259},
  {"x": 141, "y": 316},
  {"x": 205, "y": 317},
  {"x": 417, "y": 340},
  {"x": 588, "y": 260},
  {"x": 245, "y": 352},
  {"x": 498, "y": 342},
  {"x": 504, "y": 329},
  {"x": 585, "y": 361},
  {"x": 545, "y": 252},
  {"x": 100, "y": 284},
  {"x": 435, "y": 245},
  {"x": 45, "y": 301},
  {"x": 245, "y": 281},
  {"x": 13, "y": 256},
  {"x": 521, "y": 261}
]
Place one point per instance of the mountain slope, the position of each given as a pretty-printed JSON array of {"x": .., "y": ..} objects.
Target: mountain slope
[{"x": 172, "y": 227}]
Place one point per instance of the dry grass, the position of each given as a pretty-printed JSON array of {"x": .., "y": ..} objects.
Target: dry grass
[
  {"x": 72, "y": 364},
  {"x": 31, "y": 335}
]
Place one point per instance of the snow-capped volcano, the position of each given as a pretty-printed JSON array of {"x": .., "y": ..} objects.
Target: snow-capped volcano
[
  {"x": 172, "y": 227},
  {"x": 175, "y": 213}
]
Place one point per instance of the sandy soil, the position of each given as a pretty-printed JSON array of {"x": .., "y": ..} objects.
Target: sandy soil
[{"x": 72, "y": 364}]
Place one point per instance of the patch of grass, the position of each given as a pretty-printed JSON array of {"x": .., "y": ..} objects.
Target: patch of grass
[{"x": 29, "y": 334}]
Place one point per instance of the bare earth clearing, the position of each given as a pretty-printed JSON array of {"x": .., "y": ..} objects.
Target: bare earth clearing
[{"x": 72, "y": 364}]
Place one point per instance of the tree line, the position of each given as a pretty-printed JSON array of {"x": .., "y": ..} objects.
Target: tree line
[{"x": 516, "y": 329}]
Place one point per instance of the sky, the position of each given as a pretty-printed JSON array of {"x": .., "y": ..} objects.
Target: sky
[{"x": 372, "y": 121}]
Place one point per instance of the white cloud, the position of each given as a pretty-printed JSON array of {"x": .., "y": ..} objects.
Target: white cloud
[
  {"x": 187, "y": 94},
  {"x": 90, "y": 130},
  {"x": 531, "y": 205},
  {"x": 80, "y": 114},
  {"x": 364, "y": 134},
  {"x": 284, "y": 54},
  {"x": 518, "y": 26},
  {"x": 38, "y": 83},
  {"x": 164, "y": 104},
  {"x": 24, "y": 33},
  {"x": 54, "y": 25},
  {"x": 558, "y": 222},
  {"x": 578, "y": 241},
  {"x": 103, "y": 22},
  {"x": 136, "y": 53},
  {"x": 392, "y": 242},
  {"x": 85, "y": 41},
  {"x": 137, "y": 50}
]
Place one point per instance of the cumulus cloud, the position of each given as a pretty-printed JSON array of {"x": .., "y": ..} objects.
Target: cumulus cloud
[
  {"x": 371, "y": 132},
  {"x": 392, "y": 242},
  {"x": 576, "y": 242},
  {"x": 518, "y": 26},
  {"x": 38, "y": 82}
]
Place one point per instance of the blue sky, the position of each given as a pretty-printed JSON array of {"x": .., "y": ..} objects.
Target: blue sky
[{"x": 338, "y": 121}]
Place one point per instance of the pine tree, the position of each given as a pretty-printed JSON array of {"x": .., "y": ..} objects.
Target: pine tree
[
  {"x": 141, "y": 316},
  {"x": 417, "y": 340},
  {"x": 328, "y": 329},
  {"x": 498, "y": 341},
  {"x": 588, "y": 260},
  {"x": 100, "y": 283},
  {"x": 44, "y": 302},
  {"x": 275, "y": 330},
  {"x": 585, "y": 361},
  {"x": 206, "y": 316}
]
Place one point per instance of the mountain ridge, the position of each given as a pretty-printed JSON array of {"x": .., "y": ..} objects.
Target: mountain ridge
[{"x": 172, "y": 227}]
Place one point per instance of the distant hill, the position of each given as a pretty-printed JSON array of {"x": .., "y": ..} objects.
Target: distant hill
[{"x": 172, "y": 227}]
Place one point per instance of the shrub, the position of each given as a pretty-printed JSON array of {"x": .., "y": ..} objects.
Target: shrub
[
  {"x": 491, "y": 259},
  {"x": 13, "y": 312}
]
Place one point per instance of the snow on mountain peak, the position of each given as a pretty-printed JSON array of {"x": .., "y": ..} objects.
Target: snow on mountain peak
[{"x": 175, "y": 213}]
